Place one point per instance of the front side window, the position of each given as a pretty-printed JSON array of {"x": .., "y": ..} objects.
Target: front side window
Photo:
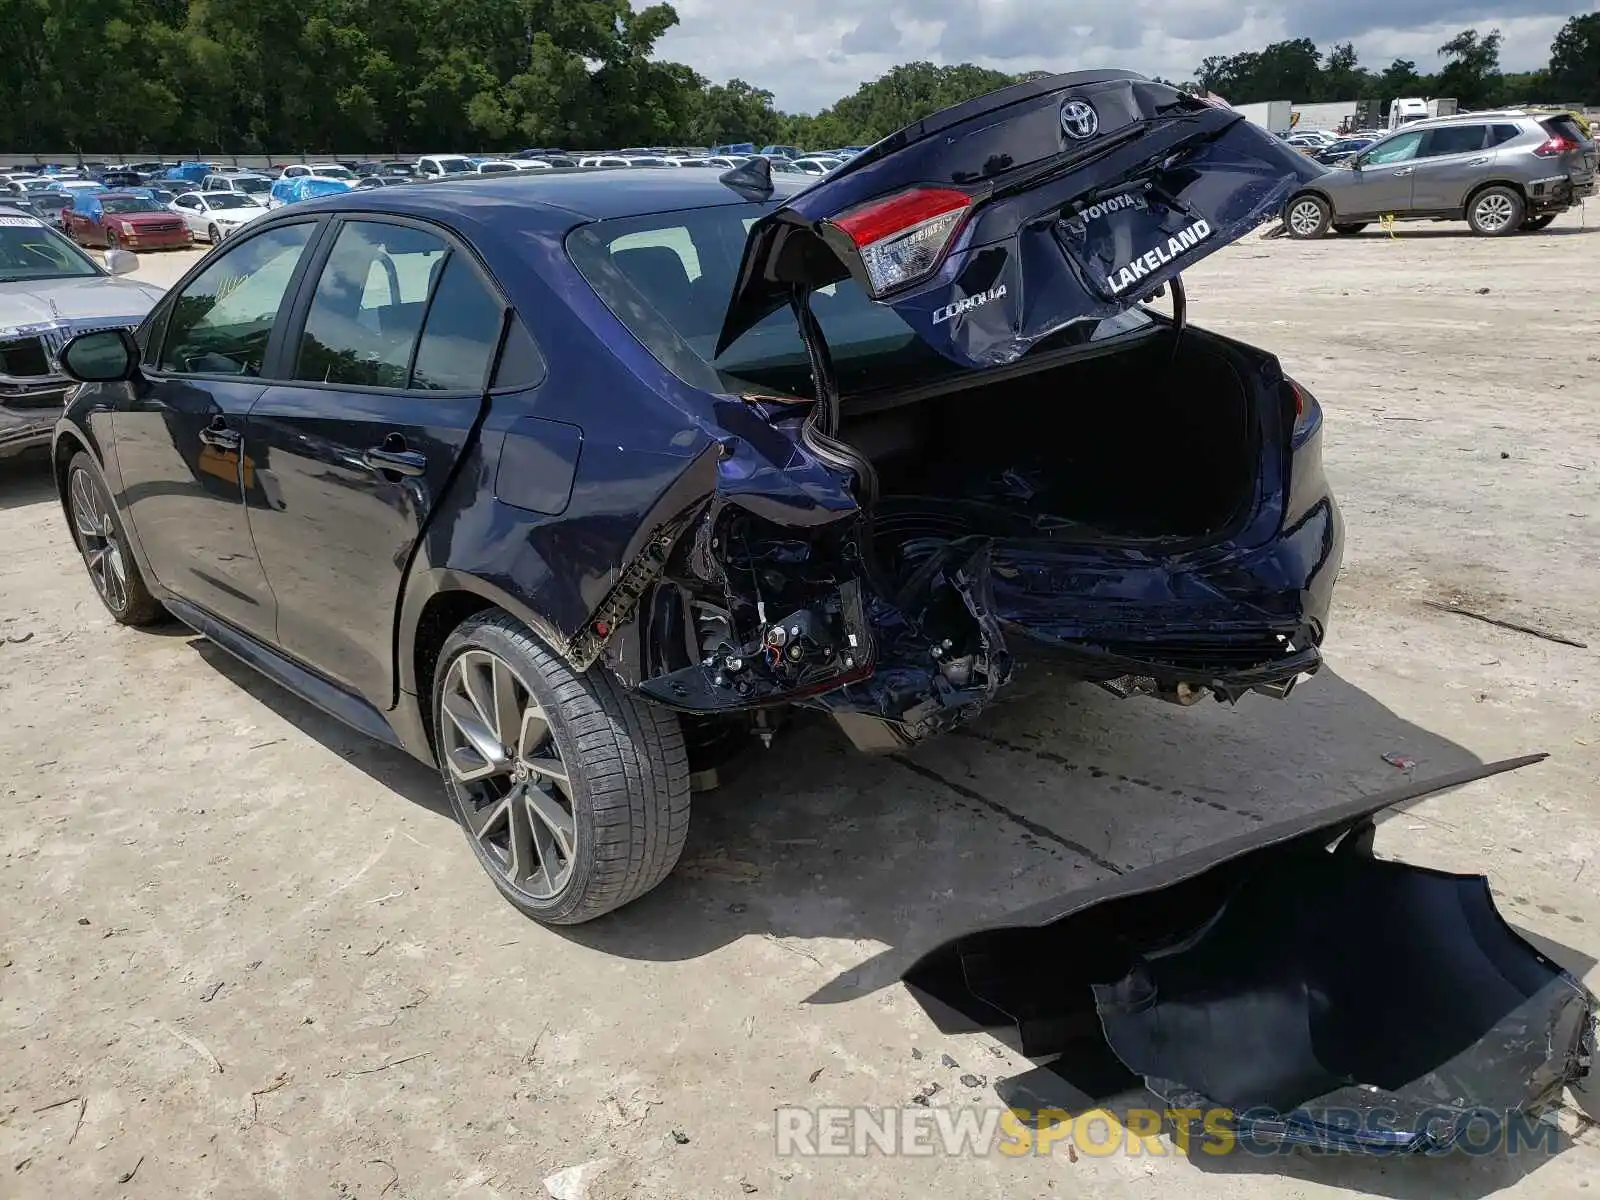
[
  {"x": 367, "y": 311},
  {"x": 1396, "y": 149},
  {"x": 220, "y": 323}
]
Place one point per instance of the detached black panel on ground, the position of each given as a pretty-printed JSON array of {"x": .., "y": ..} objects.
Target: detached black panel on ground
[{"x": 1287, "y": 975}]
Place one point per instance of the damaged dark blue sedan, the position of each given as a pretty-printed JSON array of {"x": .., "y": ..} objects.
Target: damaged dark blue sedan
[{"x": 572, "y": 482}]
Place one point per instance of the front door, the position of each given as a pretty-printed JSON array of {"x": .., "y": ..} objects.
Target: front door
[
  {"x": 1386, "y": 174},
  {"x": 390, "y": 367},
  {"x": 181, "y": 451},
  {"x": 1451, "y": 161}
]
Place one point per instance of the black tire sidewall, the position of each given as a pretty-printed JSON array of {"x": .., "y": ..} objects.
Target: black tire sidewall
[
  {"x": 1535, "y": 224},
  {"x": 140, "y": 608},
  {"x": 1519, "y": 211},
  {"x": 495, "y": 639},
  {"x": 1323, "y": 224}
]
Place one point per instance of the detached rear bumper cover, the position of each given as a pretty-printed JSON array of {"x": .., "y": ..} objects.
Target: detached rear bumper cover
[{"x": 1322, "y": 996}]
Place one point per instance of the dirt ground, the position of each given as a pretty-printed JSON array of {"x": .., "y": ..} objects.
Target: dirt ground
[{"x": 245, "y": 953}]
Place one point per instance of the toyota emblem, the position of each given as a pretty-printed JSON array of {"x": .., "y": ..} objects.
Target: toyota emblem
[{"x": 1079, "y": 120}]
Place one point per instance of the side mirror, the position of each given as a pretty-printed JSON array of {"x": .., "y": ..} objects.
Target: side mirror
[
  {"x": 105, "y": 356},
  {"x": 121, "y": 262}
]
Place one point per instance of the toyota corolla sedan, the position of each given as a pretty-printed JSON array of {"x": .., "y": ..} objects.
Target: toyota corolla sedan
[{"x": 568, "y": 481}]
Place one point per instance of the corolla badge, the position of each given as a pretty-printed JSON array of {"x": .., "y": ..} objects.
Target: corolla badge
[{"x": 1079, "y": 121}]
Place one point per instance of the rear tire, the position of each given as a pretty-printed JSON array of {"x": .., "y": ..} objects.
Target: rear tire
[
  {"x": 101, "y": 541},
  {"x": 1307, "y": 217},
  {"x": 573, "y": 793},
  {"x": 1496, "y": 211},
  {"x": 1534, "y": 224},
  {"x": 1349, "y": 228}
]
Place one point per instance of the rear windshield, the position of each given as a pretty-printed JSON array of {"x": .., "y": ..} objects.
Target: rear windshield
[
  {"x": 1564, "y": 126},
  {"x": 668, "y": 278}
]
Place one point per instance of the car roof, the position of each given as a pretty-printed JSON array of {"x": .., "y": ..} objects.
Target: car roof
[
  {"x": 1505, "y": 115},
  {"x": 594, "y": 195}
]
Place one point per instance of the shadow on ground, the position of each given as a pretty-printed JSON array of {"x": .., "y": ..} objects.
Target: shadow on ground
[
  {"x": 398, "y": 772},
  {"x": 1048, "y": 793},
  {"x": 1430, "y": 232},
  {"x": 25, "y": 479}
]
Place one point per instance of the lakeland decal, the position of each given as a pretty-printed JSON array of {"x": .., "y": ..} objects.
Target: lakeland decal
[{"x": 1153, "y": 260}]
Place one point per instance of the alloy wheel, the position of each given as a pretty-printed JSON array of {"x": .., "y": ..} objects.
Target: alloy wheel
[
  {"x": 1305, "y": 217},
  {"x": 1494, "y": 212},
  {"x": 97, "y": 534},
  {"x": 515, "y": 793}
]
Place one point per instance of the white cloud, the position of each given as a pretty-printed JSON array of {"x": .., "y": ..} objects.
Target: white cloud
[{"x": 809, "y": 53}]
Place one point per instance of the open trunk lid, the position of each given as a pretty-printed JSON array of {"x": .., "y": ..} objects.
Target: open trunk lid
[{"x": 994, "y": 224}]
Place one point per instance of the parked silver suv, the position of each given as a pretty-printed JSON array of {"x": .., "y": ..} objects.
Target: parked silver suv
[{"x": 1501, "y": 172}]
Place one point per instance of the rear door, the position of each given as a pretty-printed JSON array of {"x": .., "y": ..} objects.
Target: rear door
[
  {"x": 189, "y": 208},
  {"x": 996, "y": 223},
  {"x": 388, "y": 360},
  {"x": 1452, "y": 160}
]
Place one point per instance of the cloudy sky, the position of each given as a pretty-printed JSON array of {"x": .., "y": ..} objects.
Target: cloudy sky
[{"x": 811, "y": 52}]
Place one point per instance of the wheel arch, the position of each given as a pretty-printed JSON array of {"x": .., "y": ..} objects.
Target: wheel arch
[
  {"x": 1479, "y": 188},
  {"x": 1311, "y": 190},
  {"x": 67, "y": 446},
  {"x": 436, "y": 602}
]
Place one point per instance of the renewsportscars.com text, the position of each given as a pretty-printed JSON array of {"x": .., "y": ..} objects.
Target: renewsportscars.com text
[{"x": 1101, "y": 1133}]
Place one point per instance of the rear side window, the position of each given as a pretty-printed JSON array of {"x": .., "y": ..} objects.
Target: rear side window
[
  {"x": 1453, "y": 139},
  {"x": 461, "y": 333},
  {"x": 1500, "y": 134},
  {"x": 367, "y": 311}
]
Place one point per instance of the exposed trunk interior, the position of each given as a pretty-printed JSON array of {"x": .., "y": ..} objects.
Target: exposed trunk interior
[{"x": 1146, "y": 443}]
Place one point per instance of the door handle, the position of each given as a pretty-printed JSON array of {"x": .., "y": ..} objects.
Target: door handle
[
  {"x": 219, "y": 436},
  {"x": 393, "y": 456},
  {"x": 1404, "y": 171},
  {"x": 1478, "y": 162}
]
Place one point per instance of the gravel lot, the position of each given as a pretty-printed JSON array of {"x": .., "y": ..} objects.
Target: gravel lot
[{"x": 254, "y": 958}]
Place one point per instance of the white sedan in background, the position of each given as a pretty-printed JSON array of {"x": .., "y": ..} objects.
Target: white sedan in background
[{"x": 214, "y": 215}]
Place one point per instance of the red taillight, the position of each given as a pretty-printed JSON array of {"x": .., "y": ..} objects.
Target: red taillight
[
  {"x": 1299, "y": 398},
  {"x": 903, "y": 238},
  {"x": 1556, "y": 147}
]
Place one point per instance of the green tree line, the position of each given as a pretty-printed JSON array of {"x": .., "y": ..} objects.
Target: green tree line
[
  {"x": 1298, "y": 70},
  {"x": 417, "y": 75}
]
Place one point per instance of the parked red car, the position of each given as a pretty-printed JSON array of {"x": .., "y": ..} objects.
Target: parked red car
[{"x": 122, "y": 219}]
